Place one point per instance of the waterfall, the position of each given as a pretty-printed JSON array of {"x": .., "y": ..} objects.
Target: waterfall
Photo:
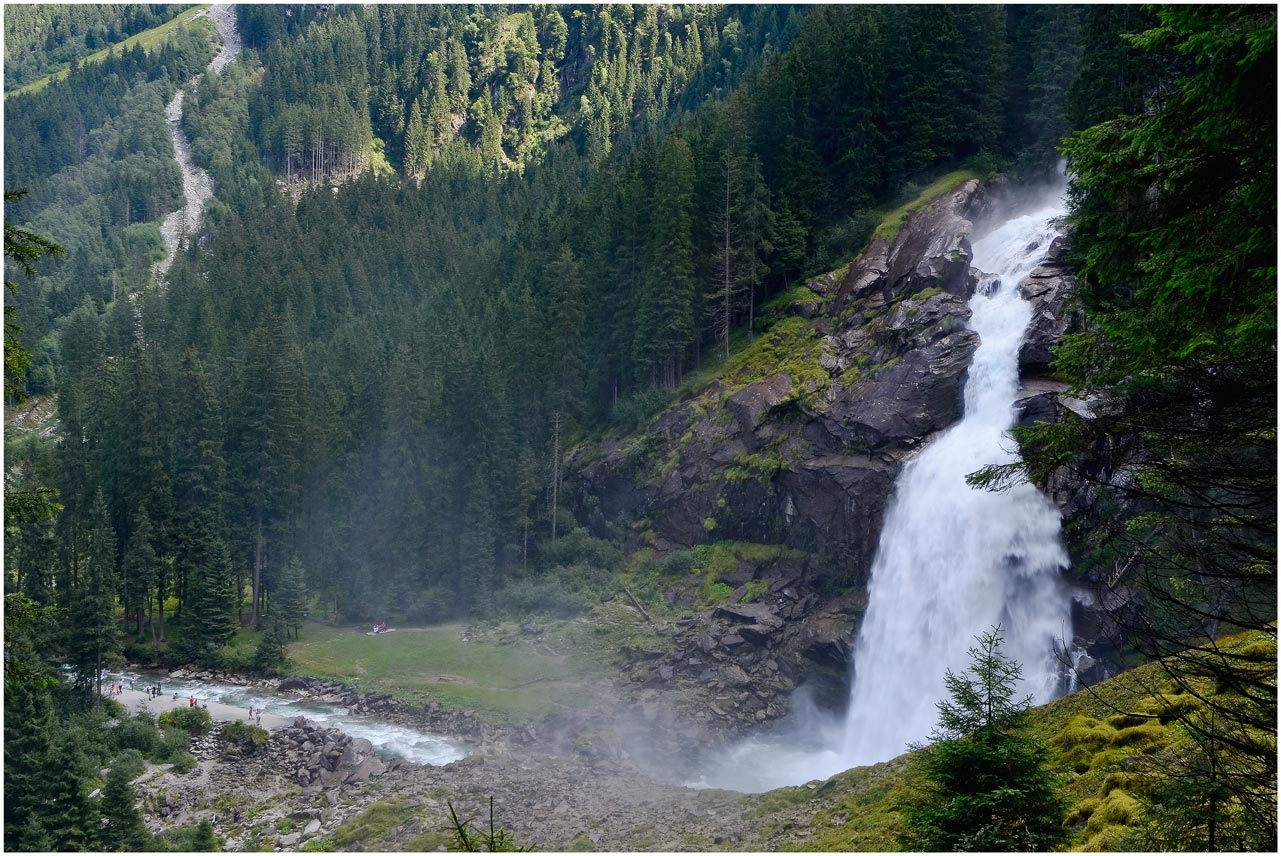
[{"x": 954, "y": 560}]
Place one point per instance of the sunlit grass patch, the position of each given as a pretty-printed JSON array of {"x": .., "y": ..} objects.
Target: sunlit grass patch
[{"x": 516, "y": 680}]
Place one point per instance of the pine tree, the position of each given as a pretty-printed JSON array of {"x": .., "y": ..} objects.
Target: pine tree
[
  {"x": 990, "y": 786},
  {"x": 124, "y": 829},
  {"x": 417, "y": 145},
  {"x": 141, "y": 568},
  {"x": 271, "y": 646},
  {"x": 667, "y": 307},
  {"x": 95, "y": 635},
  {"x": 211, "y": 616},
  {"x": 567, "y": 368},
  {"x": 74, "y": 821},
  {"x": 291, "y": 596},
  {"x": 204, "y": 840},
  {"x": 30, "y": 765}
]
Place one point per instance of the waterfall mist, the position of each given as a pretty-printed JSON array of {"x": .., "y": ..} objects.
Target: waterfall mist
[{"x": 952, "y": 561}]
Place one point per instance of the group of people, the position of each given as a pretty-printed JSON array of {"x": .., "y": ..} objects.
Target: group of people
[
  {"x": 380, "y": 628},
  {"x": 257, "y": 720},
  {"x": 191, "y": 702}
]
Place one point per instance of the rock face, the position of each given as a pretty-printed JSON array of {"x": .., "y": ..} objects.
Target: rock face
[
  {"x": 805, "y": 456},
  {"x": 1049, "y": 288},
  {"x": 799, "y": 448}
]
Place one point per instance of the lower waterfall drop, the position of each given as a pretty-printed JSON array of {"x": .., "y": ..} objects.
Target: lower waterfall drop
[{"x": 955, "y": 560}]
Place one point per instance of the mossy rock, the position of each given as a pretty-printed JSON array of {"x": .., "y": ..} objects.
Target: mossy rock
[
  {"x": 1081, "y": 812},
  {"x": 1150, "y": 734},
  {"x": 1108, "y": 758},
  {"x": 1126, "y": 720},
  {"x": 1119, "y": 808},
  {"x": 1110, "y": 839},
  {"x": 1168, "y": 708},
  {"x": 1079, "y": 758},
  {"x": 1263, "y": 651},
  {"x": 1086, "y": 731},
  {"x": 1116, "y": 781}
]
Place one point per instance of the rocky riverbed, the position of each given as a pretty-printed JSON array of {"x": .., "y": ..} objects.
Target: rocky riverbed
[{"x": 310, "y": 784}]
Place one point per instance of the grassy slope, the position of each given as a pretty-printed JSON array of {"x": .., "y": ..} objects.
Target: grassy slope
[
  {"x": 149, "y": 39},
  {"x": 503, "y": 676},
  {"x": 894, "y": 221},
  {"x": 1100, "y": 742}
]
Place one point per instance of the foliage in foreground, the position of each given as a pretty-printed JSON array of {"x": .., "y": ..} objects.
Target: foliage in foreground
[
  {"x": 469, "y": 838},
  {"x": 1174, "y": 232}
]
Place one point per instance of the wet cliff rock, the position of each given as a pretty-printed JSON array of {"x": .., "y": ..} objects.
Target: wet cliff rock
[{"x": 1049, "y": 288}]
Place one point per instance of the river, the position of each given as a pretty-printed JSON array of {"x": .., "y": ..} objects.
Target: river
[{"x": 389, "y": 739}]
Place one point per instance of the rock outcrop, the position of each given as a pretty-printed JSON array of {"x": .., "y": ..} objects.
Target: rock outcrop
[
  {"x": 801, "y": 445},
  {"x": 796, "y": 445},
  {"x": 1049, "y": 288}
]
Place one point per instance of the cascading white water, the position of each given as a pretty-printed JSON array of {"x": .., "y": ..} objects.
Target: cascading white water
[{"x": 953, "y": 560}]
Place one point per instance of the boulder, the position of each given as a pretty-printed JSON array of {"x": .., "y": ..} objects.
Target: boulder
[
  {"x": 367, "y": 768},
  {"x": 751, "y": 403},
  {"x": 289, "y": 840},
  {"x": 294, "y": 684},
  {"x": 757, "y": 613}
]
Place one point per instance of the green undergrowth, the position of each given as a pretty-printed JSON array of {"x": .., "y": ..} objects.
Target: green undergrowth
[
  {"x": 793, "y": 345},
  {"x": 149, "y": 39},
  {"x": 715, "y": 562},
  {"x": 500, "y": 679},
  {"x": 855, "y": 811},
  {"x": 893, "y": 222},
  {"x": 370, "y": 828}
]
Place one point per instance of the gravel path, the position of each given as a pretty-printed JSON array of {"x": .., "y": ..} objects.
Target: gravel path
[{"x": 197, "y": 186}]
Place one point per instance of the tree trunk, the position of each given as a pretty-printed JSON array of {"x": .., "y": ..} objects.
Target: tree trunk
[{"x": 258, "y": 553}]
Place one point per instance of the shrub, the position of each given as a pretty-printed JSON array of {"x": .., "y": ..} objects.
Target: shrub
[
  {"x": 549, "y": 595},
  {"x": 184, "y": 762},
  {"x": 132, "y": 762},
  {"x": 193, "y": 720},
  {"x": 248, "y": 736},
  {"x": 138, "y": 732},
  {"x": 578, "y": 547},
  {"x": 173, "y": 742}
]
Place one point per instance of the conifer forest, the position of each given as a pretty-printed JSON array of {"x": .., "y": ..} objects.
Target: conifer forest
[{"x": 640, "y": 427}]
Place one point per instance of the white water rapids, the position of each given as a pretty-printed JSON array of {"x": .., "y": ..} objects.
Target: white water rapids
[
  {"x": 389, "y": 739},
  {"x": 953, "y": 561}
]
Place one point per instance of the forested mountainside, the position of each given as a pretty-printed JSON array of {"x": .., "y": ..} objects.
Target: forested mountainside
[
  {"x": 42, "y": 39},
  {"x": 409, "y": 321},
  {"x": 499, "y": 311}
]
